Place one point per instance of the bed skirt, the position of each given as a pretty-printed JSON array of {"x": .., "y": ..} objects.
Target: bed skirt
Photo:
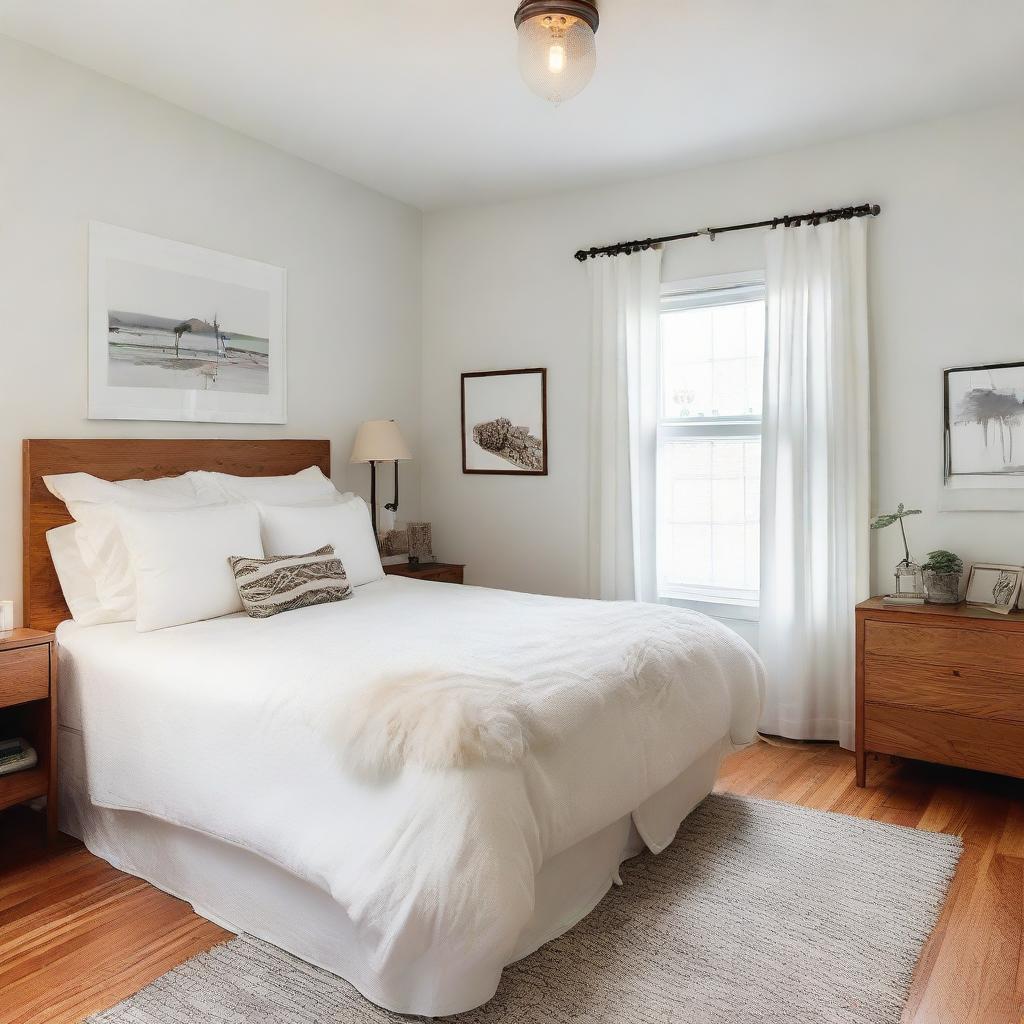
[{"x": 244, "y": 892}]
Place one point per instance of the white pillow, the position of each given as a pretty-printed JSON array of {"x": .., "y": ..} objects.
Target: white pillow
[
  {"x": 75, "y": 579},
  {"x": 93, "y": 503},
  {"x": 298, "y": 489},
  {"x": 180, "y": 561},
  {"x": 71, "y": 487},
  {"x": 345, "y": 525}
]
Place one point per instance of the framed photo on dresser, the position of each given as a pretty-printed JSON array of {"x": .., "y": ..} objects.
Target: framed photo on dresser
[
  {"x": 505, "y": 422},
  {"x": 995, "y": 587}
]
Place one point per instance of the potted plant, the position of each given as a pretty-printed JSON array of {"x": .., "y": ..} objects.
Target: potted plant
[{"x": 942, "y": 574}]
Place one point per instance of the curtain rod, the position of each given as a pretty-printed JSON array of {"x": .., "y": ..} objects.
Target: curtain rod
[{"x": 789, "y": 220}]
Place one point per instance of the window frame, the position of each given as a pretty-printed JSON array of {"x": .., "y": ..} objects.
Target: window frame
[{"x": 695, "y": 293}]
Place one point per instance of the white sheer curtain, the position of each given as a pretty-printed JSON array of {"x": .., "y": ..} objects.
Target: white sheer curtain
[
  {"x": 814, "y": 477},
  {"x": 626, "y": 304}
]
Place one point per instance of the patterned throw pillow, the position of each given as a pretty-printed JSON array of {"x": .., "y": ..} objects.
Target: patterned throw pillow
[{"x": 268, "y": 586}]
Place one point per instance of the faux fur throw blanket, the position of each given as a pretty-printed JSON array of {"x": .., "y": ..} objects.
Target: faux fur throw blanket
[
  {"x": 662, "y": 661},
  {"x": 435, "y": 721}
]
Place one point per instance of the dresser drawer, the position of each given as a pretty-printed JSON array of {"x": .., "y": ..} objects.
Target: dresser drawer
[
  {"x": 24, "y": 674},
  {"x": 978, "y": 743},
  {"x": 989, "y": 649},
  {"x": 962, "y": 691}
]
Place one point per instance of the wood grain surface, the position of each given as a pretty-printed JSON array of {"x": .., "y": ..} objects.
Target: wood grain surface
[
  {"x": 77, "y": 936},
  {"x": 24, "y": 674},
  {"x": 116, "y": 459},
  {"x": 992, "y": 649},
  {"x": 972, "y": 968},
  {"x": 964, "y": 690},
  {"x": 985, "y": 744},
  {"x": 439, "y": 572},
  {"x": 940, "y": 685}
]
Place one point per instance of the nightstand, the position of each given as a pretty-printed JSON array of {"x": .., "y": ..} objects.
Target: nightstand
[
  {"x": 941, "y": 683},
  {"x": 439, "y": 572},
  {"x": 28, "y": 707}
]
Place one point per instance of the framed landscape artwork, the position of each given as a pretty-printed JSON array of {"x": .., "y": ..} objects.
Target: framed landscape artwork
[
  {"x": 177, "y": 332},
  {"x": 504, "y": 422}
]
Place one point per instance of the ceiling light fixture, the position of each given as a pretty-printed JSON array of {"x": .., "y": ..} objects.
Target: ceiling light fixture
[{"x": 557, "y": 54}]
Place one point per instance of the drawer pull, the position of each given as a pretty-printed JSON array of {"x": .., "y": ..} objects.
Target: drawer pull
[{"x": 956, "y": 673}]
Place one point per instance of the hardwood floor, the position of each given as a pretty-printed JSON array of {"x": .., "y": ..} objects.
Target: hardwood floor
[
  {"x": 972, "y": 969},
  {"x": 77, "y": 936}
]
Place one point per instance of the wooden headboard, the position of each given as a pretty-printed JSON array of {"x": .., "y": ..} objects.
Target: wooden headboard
[{"x": 44, "y": 605}]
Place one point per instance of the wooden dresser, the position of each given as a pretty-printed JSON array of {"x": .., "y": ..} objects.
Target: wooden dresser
[{"x": 941, "y": 683}]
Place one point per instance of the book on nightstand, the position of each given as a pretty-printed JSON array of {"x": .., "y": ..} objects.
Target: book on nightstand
[
  {"x": 16, "y": 755},
  {"x": 902, "y": 599}
]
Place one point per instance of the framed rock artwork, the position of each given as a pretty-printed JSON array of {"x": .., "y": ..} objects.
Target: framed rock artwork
[
  {"x": 178, "y": 332},
  {"x": 983, "y": 412},
  {"x": 504, "y": 422}
]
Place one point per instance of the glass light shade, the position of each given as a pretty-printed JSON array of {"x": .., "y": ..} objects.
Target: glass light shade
[{"x": 557, "y": 55}]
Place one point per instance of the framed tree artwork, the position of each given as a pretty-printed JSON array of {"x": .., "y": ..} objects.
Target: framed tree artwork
[
  {"x": 504, "y": 422},
  {"x": 983, "y": 408}
]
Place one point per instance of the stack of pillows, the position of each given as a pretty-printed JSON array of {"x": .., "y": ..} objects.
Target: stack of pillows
[{"x": 181, "y": 549}]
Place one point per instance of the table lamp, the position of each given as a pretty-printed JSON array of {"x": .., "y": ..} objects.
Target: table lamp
[{"x": 380, "y": 441}]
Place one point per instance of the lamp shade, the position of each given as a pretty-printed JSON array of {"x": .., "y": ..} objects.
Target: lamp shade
[{"x": 380, "y": 441}]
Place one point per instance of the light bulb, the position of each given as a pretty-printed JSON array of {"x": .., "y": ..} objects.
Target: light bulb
[{"x": 556, "y": 59}]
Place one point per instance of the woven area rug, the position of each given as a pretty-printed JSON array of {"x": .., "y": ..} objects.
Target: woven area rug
[{"x": 759, "y": 912}]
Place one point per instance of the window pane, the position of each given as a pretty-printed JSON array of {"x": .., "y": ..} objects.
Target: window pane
[
  {"x": 728, "y": 555},
  {"x": 712, "y": 361},
  {"x": 691, "y": 501},
  {"x": 727, "y": 501},
  {"x": 690, "y": 553},
  {"x": 711, "y": 365},
  {"x": 709, "y": 493}
]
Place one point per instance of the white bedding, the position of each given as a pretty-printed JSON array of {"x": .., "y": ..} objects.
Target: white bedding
[{"x": 229, "y": 727}]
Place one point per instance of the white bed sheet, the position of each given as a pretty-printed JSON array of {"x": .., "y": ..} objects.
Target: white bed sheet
[{"x": 227, "y": 728}]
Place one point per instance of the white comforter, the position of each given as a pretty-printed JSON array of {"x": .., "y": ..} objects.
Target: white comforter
[{"x": 231, "y": 727}]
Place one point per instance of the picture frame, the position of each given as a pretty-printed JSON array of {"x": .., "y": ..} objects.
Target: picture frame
[
  {"x": 179, "y": 332},
  {"x": 505, "y": 422},
  {"x": 983, "y": 437},
  {"x": 994, "y": 586}
]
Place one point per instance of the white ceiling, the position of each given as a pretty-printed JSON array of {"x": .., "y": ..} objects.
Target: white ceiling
[{"x": 421, "y": 99}]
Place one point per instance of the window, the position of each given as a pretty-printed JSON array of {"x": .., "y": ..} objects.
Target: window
[{"x": 710, "y": 368}]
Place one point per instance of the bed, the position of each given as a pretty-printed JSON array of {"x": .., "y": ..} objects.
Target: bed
[{"x": 211, "y": 758}]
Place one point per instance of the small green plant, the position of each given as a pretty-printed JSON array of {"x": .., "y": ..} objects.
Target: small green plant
[
  {"x": 888, "y": 518},
  {"x": 941, "y": 562}
]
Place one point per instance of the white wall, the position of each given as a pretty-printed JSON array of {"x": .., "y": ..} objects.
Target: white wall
[
  {"x": 78, "y": 147},
  {"x": 501, "y": 290}
]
